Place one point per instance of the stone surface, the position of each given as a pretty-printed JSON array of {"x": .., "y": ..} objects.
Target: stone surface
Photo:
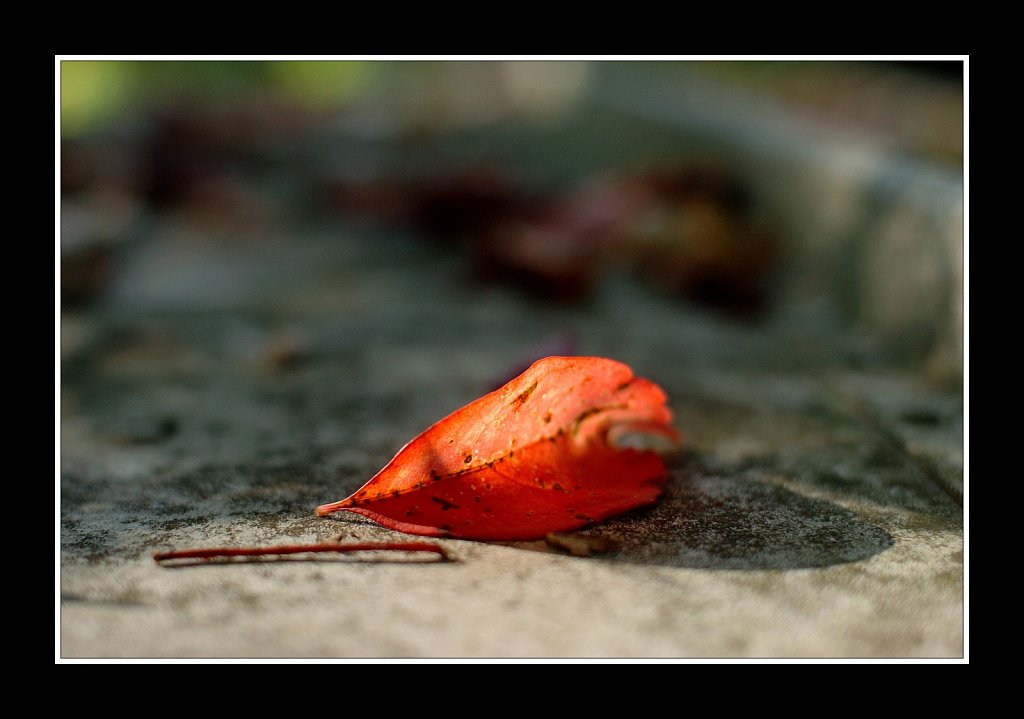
[
  {"x": 799, "y": 522},
  {"x": 872, "y": 224}
]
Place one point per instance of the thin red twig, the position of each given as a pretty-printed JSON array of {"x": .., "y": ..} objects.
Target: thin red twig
[{"x": 216, "y": 552}]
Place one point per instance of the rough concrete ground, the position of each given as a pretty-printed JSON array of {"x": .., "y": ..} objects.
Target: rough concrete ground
[{"x": 221, "y": 391}]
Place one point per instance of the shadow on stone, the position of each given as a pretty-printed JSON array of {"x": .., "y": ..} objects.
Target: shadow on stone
[{"x": 739, "y": 523}]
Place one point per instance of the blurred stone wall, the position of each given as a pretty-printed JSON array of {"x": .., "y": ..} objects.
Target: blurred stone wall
[{"x": 862, "y": 164}]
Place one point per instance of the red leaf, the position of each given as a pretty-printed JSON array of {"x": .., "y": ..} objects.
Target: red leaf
[{"x": 563, "y": 445}]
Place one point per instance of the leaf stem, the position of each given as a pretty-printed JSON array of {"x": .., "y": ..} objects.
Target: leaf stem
[{"x": 221, "y": 552}]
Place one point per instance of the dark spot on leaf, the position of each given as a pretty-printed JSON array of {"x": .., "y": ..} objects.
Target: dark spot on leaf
[
  {"x": 396, "y": 493},
  {"x": 520, "y": 399},
  {"x": 434, "y": 475},
  {"x": 557, "y": 487},
  {"x": 546, "y": 417},
  {"x": 584, "y": 517},
  {"x": 445, "y": 527},
  {"x": 624, "y": 385},
  {"x": 476, "y": 499},
  {"x": 445, "y": 504},
  {"x": 469, "y": 458}
]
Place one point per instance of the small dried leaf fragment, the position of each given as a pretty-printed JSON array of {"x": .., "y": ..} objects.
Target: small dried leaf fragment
[{"x": 581, "y": 545}]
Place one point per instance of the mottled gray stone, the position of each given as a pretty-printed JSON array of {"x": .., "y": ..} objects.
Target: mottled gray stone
[{"x": 798, "y": 522}]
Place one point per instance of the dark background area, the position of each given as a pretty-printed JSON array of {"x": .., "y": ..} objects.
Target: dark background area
[{"x": 800, "y": 183}]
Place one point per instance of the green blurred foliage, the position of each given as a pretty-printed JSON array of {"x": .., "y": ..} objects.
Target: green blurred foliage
[
  {"x": 318, "y": 83},
  {"x": 94, "y": 93}
]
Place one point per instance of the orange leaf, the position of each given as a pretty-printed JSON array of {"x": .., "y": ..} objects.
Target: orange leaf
[{"x": 565, "y": 444}]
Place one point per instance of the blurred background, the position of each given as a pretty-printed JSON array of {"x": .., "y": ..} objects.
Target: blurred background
[{"x": 754, "y": 190}]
